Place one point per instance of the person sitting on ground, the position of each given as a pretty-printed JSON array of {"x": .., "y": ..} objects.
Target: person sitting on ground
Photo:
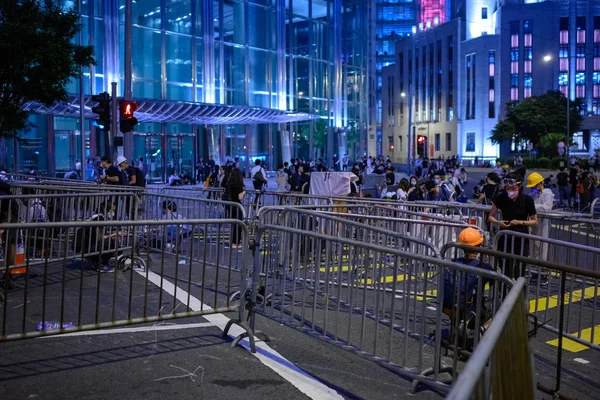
[
  {"x": 174, "y": 233},
  {"x": 174, "y": 179}
]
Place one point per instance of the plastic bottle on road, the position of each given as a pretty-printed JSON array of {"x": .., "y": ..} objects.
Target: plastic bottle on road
[{"x": 49, "y": 325}]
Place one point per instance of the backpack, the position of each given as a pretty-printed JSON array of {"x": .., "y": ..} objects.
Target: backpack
[
  {"x": 140, "y": 178},
  {"x": 259, "y": 177},
  {"x": 562, "y": 179}
]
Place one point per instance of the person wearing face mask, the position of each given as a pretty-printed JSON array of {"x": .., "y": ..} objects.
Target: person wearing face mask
[
  {"x": 544, "y": 201},
  {"x": 518, "y": 214},
  {"x": 414, "y": 192},
  {"x": 282, "y": 179}
]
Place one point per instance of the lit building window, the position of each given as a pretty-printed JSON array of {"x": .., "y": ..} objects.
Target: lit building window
[
  {"x": 564, "y": 37},
  {"x": 580, "y": 64},
  {"x": 580, "y": 78},
  {"x": 581, "y": 36},
  {"x": 596, "y": 107},
  {"x": 597, "y": 63},
  {"x": 491, "y": 95},
  {"x": 564, "y": 64},
  {"x": 527, "y": 67},
  {"x": 562, "y": 79},
  {"x": 596, "y": 35},
  {"x": 514, "y": 94},
  {"x": 514, "y": 67},
  {"x": 596, "y": 91},
  {"x": 580, "y": 91},
  {"x": 527, "y": 92},
  {"x": 527, "y": 40},
  {"x": 514, "y": 41}
]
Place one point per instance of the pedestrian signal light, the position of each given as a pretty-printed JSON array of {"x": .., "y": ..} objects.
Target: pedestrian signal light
[
  {"x": 102, "y": 109},
  {"x": 127, "y": 119}
]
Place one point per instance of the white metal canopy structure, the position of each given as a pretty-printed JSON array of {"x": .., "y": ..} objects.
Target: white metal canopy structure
[{"x": 179, "y": 112}]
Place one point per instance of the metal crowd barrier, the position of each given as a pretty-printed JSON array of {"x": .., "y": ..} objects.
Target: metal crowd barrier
[
  {"x": 72, "y": 293},
  {"x": 564, "y": 308},
  {"x": 332, "y": 288},
  {"x": 159, "y": 206},
  {"x": 69, "y": 207},
  {"x": 505, "y": 347}
]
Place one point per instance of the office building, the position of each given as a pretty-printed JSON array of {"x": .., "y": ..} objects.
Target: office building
[
  {"x": 227, "y": 78},
  {"x": 508, "y": 51}
]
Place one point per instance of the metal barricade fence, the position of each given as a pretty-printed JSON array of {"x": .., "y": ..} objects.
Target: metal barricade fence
[
  {"x": 505, "y": 347},
  {"x": 562, "y": 299},
  {"x": 309, "y": 281},
  {"x": 272, "y": 215},
  {"x": 195, "y": 276},
  {"x": 68, "y": 207},
  {"x": 159, "y": 206}
]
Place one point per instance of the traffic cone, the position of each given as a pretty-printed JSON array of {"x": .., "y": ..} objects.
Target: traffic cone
[{"x": 19, "y": 258}]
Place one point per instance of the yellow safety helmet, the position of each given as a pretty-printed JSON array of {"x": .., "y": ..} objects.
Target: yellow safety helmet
[
  {"x": 470, "y": 237},
  {"x": 534, "y": 179}
]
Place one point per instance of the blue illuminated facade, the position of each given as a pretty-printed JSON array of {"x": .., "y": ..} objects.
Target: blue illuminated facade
[{"x": 298, "y": 56}]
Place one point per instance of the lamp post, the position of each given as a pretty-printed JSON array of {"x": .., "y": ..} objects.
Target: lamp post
[
  {"x": 547, "y": 58},
  {"x": 403, "y": 95}
]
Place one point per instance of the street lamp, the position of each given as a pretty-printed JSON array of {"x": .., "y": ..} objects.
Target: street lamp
[
  {"x": 403, "y": 95},
  {"x": 548, "y": 58}
]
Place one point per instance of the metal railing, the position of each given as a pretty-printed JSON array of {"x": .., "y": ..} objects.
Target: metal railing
[
  {"x": 505, "y": 347},
  {"x": 365, "y": 298},
  {"x": 72, "y": 292},
  {"x": 561, "y": 300}
]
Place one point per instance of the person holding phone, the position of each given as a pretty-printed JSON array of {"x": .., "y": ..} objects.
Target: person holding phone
[{"x": 518, "y": 214}]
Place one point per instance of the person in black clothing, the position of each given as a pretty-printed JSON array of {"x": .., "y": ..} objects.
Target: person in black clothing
[
  {"x": 415, "y": 191},
  {"x": 235, "y": 187},
  {"x": 113, "y": 175},
  {"x": 574, "y": 180},
  {"x": 562, "y": 179},
  {"x": 518, "y": 214},
  {"x": 320, "y": 166},
  {"x": 298, "y": 180},
  {"x": 390, "y": 178},
  {"x": 490, "y": 189},
  {"x": 587, "y": 196}
]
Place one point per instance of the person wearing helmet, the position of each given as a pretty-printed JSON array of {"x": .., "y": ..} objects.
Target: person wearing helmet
[
  {"x": 518, "y": 214},
  {"x": 460, "y": 288},
  {"x": 544, "y": 201}
]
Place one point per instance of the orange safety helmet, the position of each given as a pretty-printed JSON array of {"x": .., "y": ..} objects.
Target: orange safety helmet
[{"x": 470, "y": 237}]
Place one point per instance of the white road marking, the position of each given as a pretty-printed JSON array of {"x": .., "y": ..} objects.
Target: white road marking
[
  {"x": 581, "y": 360},
  {"x": 307, "y": 384},
  {"x": 151, "y": 328}
]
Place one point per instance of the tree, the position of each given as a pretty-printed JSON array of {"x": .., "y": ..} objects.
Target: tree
[
  {"x": 548, "y": 144},
  {"x": 38, "y": 58},
  {"x": 536, "y": 117}
]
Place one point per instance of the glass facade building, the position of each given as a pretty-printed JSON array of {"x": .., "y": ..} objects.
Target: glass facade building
[{"x": 294, "y": 56}]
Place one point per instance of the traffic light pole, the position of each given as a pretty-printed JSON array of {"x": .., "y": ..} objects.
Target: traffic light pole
[
  {"x": 82, "y": 127},
  {"x": 114, "y": 128}
]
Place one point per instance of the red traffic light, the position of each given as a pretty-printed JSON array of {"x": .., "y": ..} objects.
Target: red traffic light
[
  {"x": 128, "y": 120},
  {"x": 127, "y": 109},
  {"x": 421, "y": 139}
]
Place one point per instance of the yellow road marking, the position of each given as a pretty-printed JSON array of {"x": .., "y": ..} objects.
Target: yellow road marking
[
  {"x": 392, "y": 278},
  {"x": 573, "y": 346},
  {"x": 575, "y": 296}
]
